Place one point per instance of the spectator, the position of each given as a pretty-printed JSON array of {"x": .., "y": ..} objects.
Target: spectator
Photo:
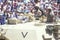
[{"x": 2, "y": 18}]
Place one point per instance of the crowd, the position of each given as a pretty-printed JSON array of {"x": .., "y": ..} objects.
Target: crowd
[{"x": 20, "y": 9}]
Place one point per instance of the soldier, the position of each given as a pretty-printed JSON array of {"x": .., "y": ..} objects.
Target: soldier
[{"x": 50, "y": 15}]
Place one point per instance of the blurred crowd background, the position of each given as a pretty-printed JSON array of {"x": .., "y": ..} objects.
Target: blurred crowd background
[
  {"x": 26, "y": 5},
  {"x": 14, "y": 8}
]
